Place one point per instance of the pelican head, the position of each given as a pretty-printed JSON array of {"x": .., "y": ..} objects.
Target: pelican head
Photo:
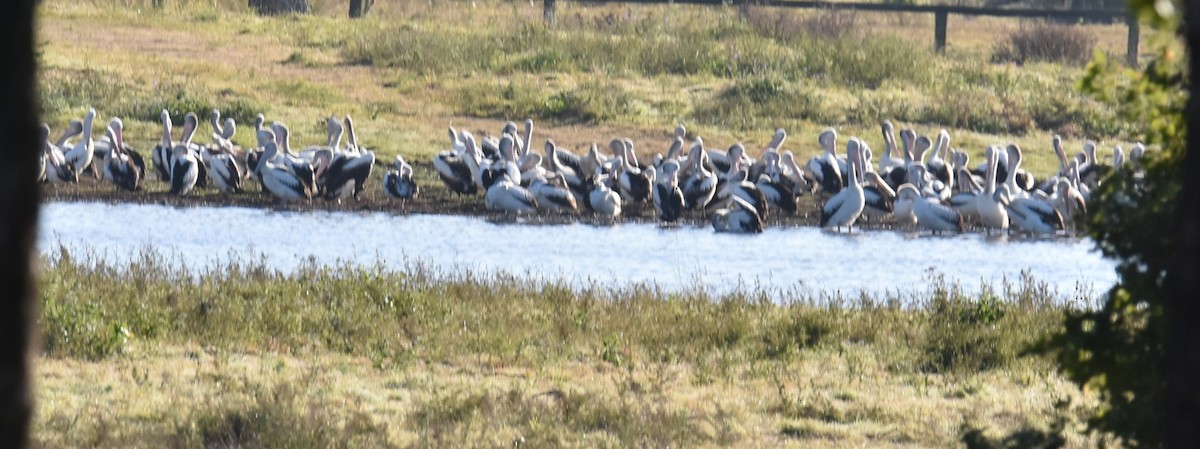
[{"x": 828, "y": 140}]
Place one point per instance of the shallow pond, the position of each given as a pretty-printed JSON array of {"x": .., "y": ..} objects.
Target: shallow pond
[{"x": 803, "y": 260}]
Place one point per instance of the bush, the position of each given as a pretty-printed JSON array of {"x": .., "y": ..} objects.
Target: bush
[
  {"x": 1046, "y": 42},
  {"x": 782, "y": 24}
]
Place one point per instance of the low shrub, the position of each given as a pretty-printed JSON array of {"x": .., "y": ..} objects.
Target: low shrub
[{"x": 1046, "y": 42}]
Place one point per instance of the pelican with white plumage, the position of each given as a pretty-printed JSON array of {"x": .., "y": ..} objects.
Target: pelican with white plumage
[
  {"x": 931, "y": 214},
  {"x": 452, "y": 167},
  {"x": 844, "y": 208},
  {"x": 185, "y": 170},
  {"x": 602, "y": 199},
  {"x": 82, "y": 153},
  {"x": 635, "y": 183},
  {"x": 701, "y": 184},
  {"x": 58, "y": 170},
  {"x": 552, "y": 194},
  {"x": 506, "y": 194},
  {"x": 825, "y": 169},
  {"x": 223, "y": 167},
  {"x": 119, "y": 167},
  {"x": 346, "y": 174},
  {"x": 668, "y": 197},
  {"x": 903, "y": 208},
  {"x": 888, "y": 162},
  {"x": 774, "y": 186},
  {"x": 878, "y": 198},
  {"x": 988, "y": 204},
  {"x": 1032, "y": 215},
  {"x": 398, "y": 183},
  {"x": 740, "y": 217},
  {"x": 287, "y": 179},
  {"x": 794, "y": 174},
  {"x": 936, "y": 165},
  {"x": 1068, "y": 202}
]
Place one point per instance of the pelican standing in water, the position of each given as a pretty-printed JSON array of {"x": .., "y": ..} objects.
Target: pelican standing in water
[
  {"x": 844, "y": 208},
  {"x": 992, "y": 213},
  {"x": 701, "y": 184},
  {"x": 740, "y": 217},
  {"x": 603, "y": 200},
  {"x": 668, "y": 198}
]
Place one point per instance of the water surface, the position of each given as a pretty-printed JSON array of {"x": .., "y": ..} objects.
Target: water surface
[{"x": 804, "y": 259}]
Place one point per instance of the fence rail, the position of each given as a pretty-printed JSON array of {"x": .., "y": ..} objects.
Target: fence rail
[{"x": 940, "y": 13}]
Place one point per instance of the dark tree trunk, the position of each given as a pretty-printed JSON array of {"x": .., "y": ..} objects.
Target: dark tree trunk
[
  {"x": 18, "y": 221},
  {"x": 1183, "y": 312},
  {"x": 360, "y": 8},
  {"x": 273, "y": 7}
]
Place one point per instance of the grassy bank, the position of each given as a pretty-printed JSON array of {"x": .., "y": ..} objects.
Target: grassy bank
[
  {"x": 152, "y": 354},
  {"x": 603, "y": 71}
]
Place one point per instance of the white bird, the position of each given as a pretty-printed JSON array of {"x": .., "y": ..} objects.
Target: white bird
[
  {"x": 184, "y": 170},
  {"x": 887, "y": 162},
  {"x": 287, "y": 180},
  {"x": 844, "y": 208},
  {"x": 936, "y": 164},
  {"x": 878, "y": 198},
  {"x": 774, "y": 186},
  {"x": 1068, "y": 202},
  {"x": 552, "y": 193},
  {"x": 903, "y": 210},
  {"x": 603, "y": 200},
  {"x": 119, "y": 167},
  {"x": 825, "y": 168},
  {"x": 635, "y": 183},
  {"x": 81, "y": 154},
  {"x": 668, "y": 197},
  {"x": 794, "y": 174},
  {"x": 1031, "y": 215},
  {"x": 398, "y": 183},
  {"x": 701, "y": 184},
  {"x": 58, "y": 170},
  {"x": 740, "y": 217},
  {"x": 931, "y": 214},
  {"x": 452, "y": 166},
  {"x": 506, "y": 195},
  {"x": 992, "y": 213},
  {"x": 223, "y": 166},
  {"x": 345, "y": 173}
]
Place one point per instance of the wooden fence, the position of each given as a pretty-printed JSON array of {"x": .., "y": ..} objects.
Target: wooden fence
[{"x": 940, "y": 13}]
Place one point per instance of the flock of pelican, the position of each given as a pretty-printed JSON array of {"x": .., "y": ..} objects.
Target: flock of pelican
[
  {"x": 917, "y": 183},
  {"x": 328, "y": 171}
]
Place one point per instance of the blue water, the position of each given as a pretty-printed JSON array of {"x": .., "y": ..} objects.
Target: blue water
[{"x": 804, "y": 260}]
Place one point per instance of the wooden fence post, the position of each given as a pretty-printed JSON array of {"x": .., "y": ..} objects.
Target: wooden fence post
[
  {"x": 273, "y": 7},
  {"x": 939, "y": 30},
  {"x": 360, "y": 8},
  {"x": 1131, "y": 45},
  {"x": 548, "y": 11}
]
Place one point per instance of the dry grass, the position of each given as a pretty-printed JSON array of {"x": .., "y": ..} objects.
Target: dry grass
[
  {"x": 153, "y": 354},
  {"x": 294, "y": 69}
]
